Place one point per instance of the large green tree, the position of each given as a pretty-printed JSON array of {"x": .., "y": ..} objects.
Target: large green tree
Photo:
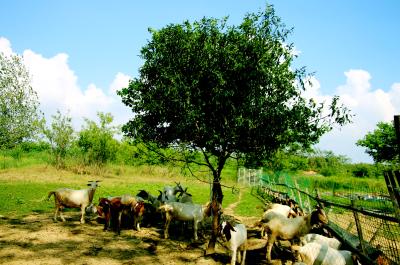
[
  {"x": 19, "y": 105},
  {"x": 381, "y": 144},
  {"x": 224, "y": 90}
]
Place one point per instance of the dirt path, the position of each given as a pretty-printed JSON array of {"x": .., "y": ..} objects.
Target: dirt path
[{"x": 230, "y": 210}]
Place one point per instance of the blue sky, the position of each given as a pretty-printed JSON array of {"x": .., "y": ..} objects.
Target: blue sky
[{"x": 80, "y": 52}]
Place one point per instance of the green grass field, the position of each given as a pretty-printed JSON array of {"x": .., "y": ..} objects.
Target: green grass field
[{"x": 24, "y": 190}]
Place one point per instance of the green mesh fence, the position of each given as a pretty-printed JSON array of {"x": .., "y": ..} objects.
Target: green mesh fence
[{"x": 363, "y": 217}]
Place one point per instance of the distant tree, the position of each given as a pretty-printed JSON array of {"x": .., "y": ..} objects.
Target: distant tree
[
  {"x": 223, "y": 91},
  {"x": 19, "y": 105},
  {"x": 97, "y": 140},
  {"x": 381, "y": 144},
  {"x": 60, "y": 136}
]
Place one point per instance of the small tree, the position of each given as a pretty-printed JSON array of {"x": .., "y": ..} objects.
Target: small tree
[
  {"x": 223, "y": 91},
  {"x": 381, "y": 144},
  {"x": 19, "y": 105},
  {"x": 60, "y": 136},
  {"x": 97, "y": 140}
]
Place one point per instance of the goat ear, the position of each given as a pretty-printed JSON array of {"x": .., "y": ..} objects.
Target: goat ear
[
  {"x": 227, "y": 233},
  {"x": 231, "y": 227}
]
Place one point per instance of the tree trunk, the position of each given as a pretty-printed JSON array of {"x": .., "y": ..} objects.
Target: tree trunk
[{"x": 216, "y": 204}]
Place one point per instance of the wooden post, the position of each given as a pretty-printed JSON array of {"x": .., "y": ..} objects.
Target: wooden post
[
  {"x": 359, "y": 230},
  {"x": 309, "y": 202},
  {"x": 393, "y": 192},
  {"x": 298, "y": 194},
  {"x": 396, "y": 122}
]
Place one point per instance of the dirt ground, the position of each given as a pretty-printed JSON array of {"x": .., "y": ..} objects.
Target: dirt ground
[{"x": 37, "y": 239}]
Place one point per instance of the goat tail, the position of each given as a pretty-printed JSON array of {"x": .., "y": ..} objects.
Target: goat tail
[{"x": 51, "y": 193}]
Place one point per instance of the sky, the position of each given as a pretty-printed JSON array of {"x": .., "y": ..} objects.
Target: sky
[{"x": 79, "y": 53}]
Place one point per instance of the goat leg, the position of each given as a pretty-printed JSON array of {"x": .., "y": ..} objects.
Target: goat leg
[
  {"x": 233, "y": 259},
  {"x": 168, "y": 221},
  {"x": 243, "y": 256},
  {"x": 83, "y": 214},
  {"x": 270, "y": 243},
  {"x": 61, "y": 213}
]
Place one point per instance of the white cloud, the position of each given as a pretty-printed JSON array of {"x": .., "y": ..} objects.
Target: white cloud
[
  {"x": 5, "y": 46},
  {"x": 369, "y": 107},
  {"x": 121, "y": 80},
  {"x": 58, "y": 89}
]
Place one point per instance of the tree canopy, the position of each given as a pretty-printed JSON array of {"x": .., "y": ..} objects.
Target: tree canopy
[
  {"x": 19, "y": 105},
  {"x": 224, "y": 90},
  {"x": 381, "y": 144}
]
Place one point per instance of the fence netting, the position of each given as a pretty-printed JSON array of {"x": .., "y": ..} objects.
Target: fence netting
[{"x": 363, "y": 218}]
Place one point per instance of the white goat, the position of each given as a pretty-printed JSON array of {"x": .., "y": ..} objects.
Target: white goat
[
  {"x": 322, "y": 240},
  {"x": 169, "y": 193},
  {"x": 281, "y": 227},
  {"x": 273, "y": 210},
  {"x": 314, "y": 253},
  {"x": 185, "y": 212},
  {"x": 236, "y": 237},
  {"x": 69, "y": 198}
]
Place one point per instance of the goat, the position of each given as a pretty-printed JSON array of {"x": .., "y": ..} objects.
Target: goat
[
  {"x": 69, "y": 198},
  {"x": 185, "y": 197},
  {"x": 331, "y": 242},
  {"x": 114, "y": 207},
  {"x": 236, "y": 238},
  {"x": 185, "y": 212},
  {"x": 271, "y": 211},
  {"x": 281, "y": 227},
  {"x": 314, "y": 253},
  {"x": 169, "y": 193},
  {"x": 133, "y": 205},
  {"x": 152, "y": 213}
]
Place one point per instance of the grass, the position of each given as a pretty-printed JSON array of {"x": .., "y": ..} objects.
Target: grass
[{"x": 24, "y": 189}]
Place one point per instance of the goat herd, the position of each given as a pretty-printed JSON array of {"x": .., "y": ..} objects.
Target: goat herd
[{"x": 280, "y": 221}]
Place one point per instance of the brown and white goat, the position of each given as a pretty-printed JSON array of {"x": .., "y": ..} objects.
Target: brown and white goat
[
  {"x": 69, "y": 198},
  {"x": 281, "y": 227},
  {"x": 113, "y": 208}
]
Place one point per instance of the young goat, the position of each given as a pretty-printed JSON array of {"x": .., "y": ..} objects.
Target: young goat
[
  {"x": 281, "y": 227},
  {"x": 322, "y": 240},
  {"x": 68, "y": 198},
  {"x": 185, "y": 212},
  {"x": 236, "y": 238},
  {"x": 314, "y": 253}
]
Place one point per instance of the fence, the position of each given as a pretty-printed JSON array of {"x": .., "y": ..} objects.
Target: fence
[{"x": 366, "y": 223}]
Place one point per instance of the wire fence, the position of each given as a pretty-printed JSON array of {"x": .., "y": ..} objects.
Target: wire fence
[{"x": 364, "y": 218}]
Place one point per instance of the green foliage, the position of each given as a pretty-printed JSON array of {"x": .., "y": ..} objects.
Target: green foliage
[
  {"x": 381, "y": 144},
  {"x": 19, "y": 105},
  {"x": 224, "y": 90},
  {"x": 19, "y": 157},
  {"x": 60, "y": 136},
  {"x": 97, "y": 142},
  {"x": 327, "y": 163}
]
